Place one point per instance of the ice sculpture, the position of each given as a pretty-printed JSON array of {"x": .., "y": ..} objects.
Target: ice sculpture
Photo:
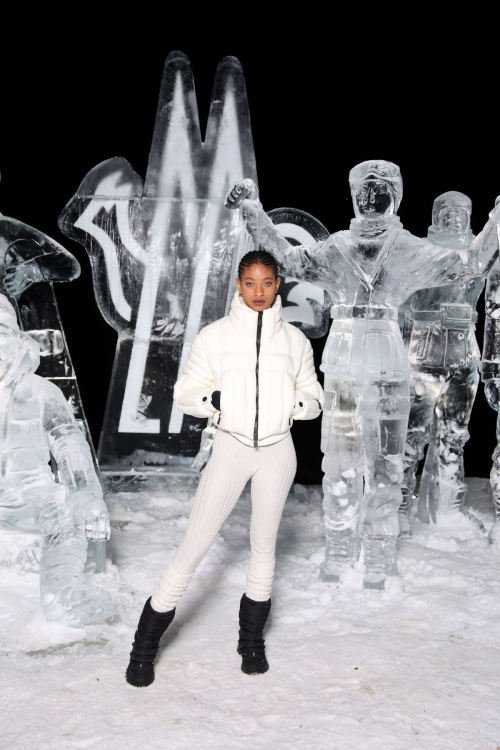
[
  {"x": 38, "y": 424},
  {"x": 444, "y": 359},
  {"x": 490, "y": 374},
  {"x": 29, "y": 264},
  {"x": 369, "y": 271},
  {"x": 163, "y": 255}
]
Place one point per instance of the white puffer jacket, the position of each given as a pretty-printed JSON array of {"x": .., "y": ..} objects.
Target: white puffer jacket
[{"x": 264, "y": 369}]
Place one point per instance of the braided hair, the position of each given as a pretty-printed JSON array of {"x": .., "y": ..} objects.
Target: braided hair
[{"x": 258, "y": 256}]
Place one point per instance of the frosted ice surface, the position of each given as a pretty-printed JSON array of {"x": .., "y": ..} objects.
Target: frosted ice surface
[
  {"x": 369, "y": 271},
  {"x": 37, "y": 425}
]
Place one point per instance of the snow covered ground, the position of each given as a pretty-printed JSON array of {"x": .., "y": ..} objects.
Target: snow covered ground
[{"x": 415, "y": 666}]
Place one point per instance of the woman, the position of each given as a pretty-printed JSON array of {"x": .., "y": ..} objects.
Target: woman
[{"x": 252, "y": 375}]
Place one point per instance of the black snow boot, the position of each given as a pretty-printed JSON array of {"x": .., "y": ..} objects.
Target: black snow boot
[
  {"x": 152, "y": 625},
  {"x": 253, "y": 616}
]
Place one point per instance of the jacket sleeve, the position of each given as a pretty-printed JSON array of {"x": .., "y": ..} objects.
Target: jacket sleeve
[
  {"x": 309, "y": 396},
  {"x": 193, "y": 391}
]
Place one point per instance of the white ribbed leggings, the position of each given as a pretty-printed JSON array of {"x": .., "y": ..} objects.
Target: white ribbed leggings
[{"x": 271, "y": 469}]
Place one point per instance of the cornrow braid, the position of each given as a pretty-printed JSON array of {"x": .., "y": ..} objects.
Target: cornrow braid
[{"x": 258, "y": 256}]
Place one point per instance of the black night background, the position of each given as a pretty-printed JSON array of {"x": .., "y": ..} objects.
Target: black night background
[{"x": 317, "y": 109}]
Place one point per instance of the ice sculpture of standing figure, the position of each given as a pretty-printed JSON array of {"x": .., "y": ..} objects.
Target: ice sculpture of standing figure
[
  {"x": 444, "y": 358},
  {"x": 37, "y": 422},
  {"x": 490, "y": 375},
  {"x": 369, "y": 271}
]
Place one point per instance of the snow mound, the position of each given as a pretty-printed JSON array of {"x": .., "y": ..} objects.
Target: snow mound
[{"x": 414, "y": 666}]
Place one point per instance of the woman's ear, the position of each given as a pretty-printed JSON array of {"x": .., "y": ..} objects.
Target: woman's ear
[
  {"x": 238, "y": 284},
  {"x": 278, "y": 282}
]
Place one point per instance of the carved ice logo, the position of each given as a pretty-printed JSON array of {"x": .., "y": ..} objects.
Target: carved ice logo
[
  {"x": 161, "y": 254},
  {"x": 162, "y": 257}
]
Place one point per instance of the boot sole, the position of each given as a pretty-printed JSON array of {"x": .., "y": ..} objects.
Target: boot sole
[
  {"x": 254, "y": 671},
  {"x": 138, "y": 683}
]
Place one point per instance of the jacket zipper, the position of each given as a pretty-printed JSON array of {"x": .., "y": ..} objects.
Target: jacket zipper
[{"x": 256, "y": 426}]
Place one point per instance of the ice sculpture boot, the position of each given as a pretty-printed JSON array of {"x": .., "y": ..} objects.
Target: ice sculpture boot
[
  {"x": 494, "y": 535},
  {"x": 342, "y": 547},
  {"x": 380, "y": 560},
  {"x": 152, "y": 625},
  {"x": 404, "y": 513},
  {"x": 63, "y": 596},
  {"x": 253, "y": 617}
]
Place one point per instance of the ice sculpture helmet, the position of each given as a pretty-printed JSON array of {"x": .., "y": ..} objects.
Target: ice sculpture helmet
[
  {"x": 451, "y": 212},
  {"x": 377, "y": 171}
]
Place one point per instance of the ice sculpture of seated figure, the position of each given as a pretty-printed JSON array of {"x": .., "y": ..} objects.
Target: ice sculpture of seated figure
[
  {"x": 36, "y": 421},
  {"x": 444, "y": 358},
  {"x": 369, "y": 271}
]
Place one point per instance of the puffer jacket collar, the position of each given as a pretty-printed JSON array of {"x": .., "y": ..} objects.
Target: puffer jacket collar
[{"x": 245, "y": 319}]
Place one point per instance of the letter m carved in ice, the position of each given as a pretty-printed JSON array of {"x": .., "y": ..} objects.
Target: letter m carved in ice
[{"x": 161, "y": 254}]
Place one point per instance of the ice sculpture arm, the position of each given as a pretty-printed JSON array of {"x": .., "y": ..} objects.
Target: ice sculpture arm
[
  {"x": 310, "y": 263},
  {"x": 74, "y": 463},
  {"x": 58, "y": 266},
  {"x": 309, "y": 396},
  {"x": 30, "y": 261},
  {"x": 303, "y": 262},
  {"x": 193, "y": 391},
  {"x": 446, "y": 265},
  {"x": 481, "y": 254}
]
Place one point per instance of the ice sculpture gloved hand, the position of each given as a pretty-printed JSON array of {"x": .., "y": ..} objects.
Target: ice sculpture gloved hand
[
  {"x": 244, "y": 196},
  {"x": 19, "y": 277},
  {"x": 492, "y": 393},
  {"x": 241, "y": 191},
  {"x": 90, "y": 514}
]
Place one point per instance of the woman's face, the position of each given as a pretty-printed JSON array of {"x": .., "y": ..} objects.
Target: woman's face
[{"x": 258, "y": 286}]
